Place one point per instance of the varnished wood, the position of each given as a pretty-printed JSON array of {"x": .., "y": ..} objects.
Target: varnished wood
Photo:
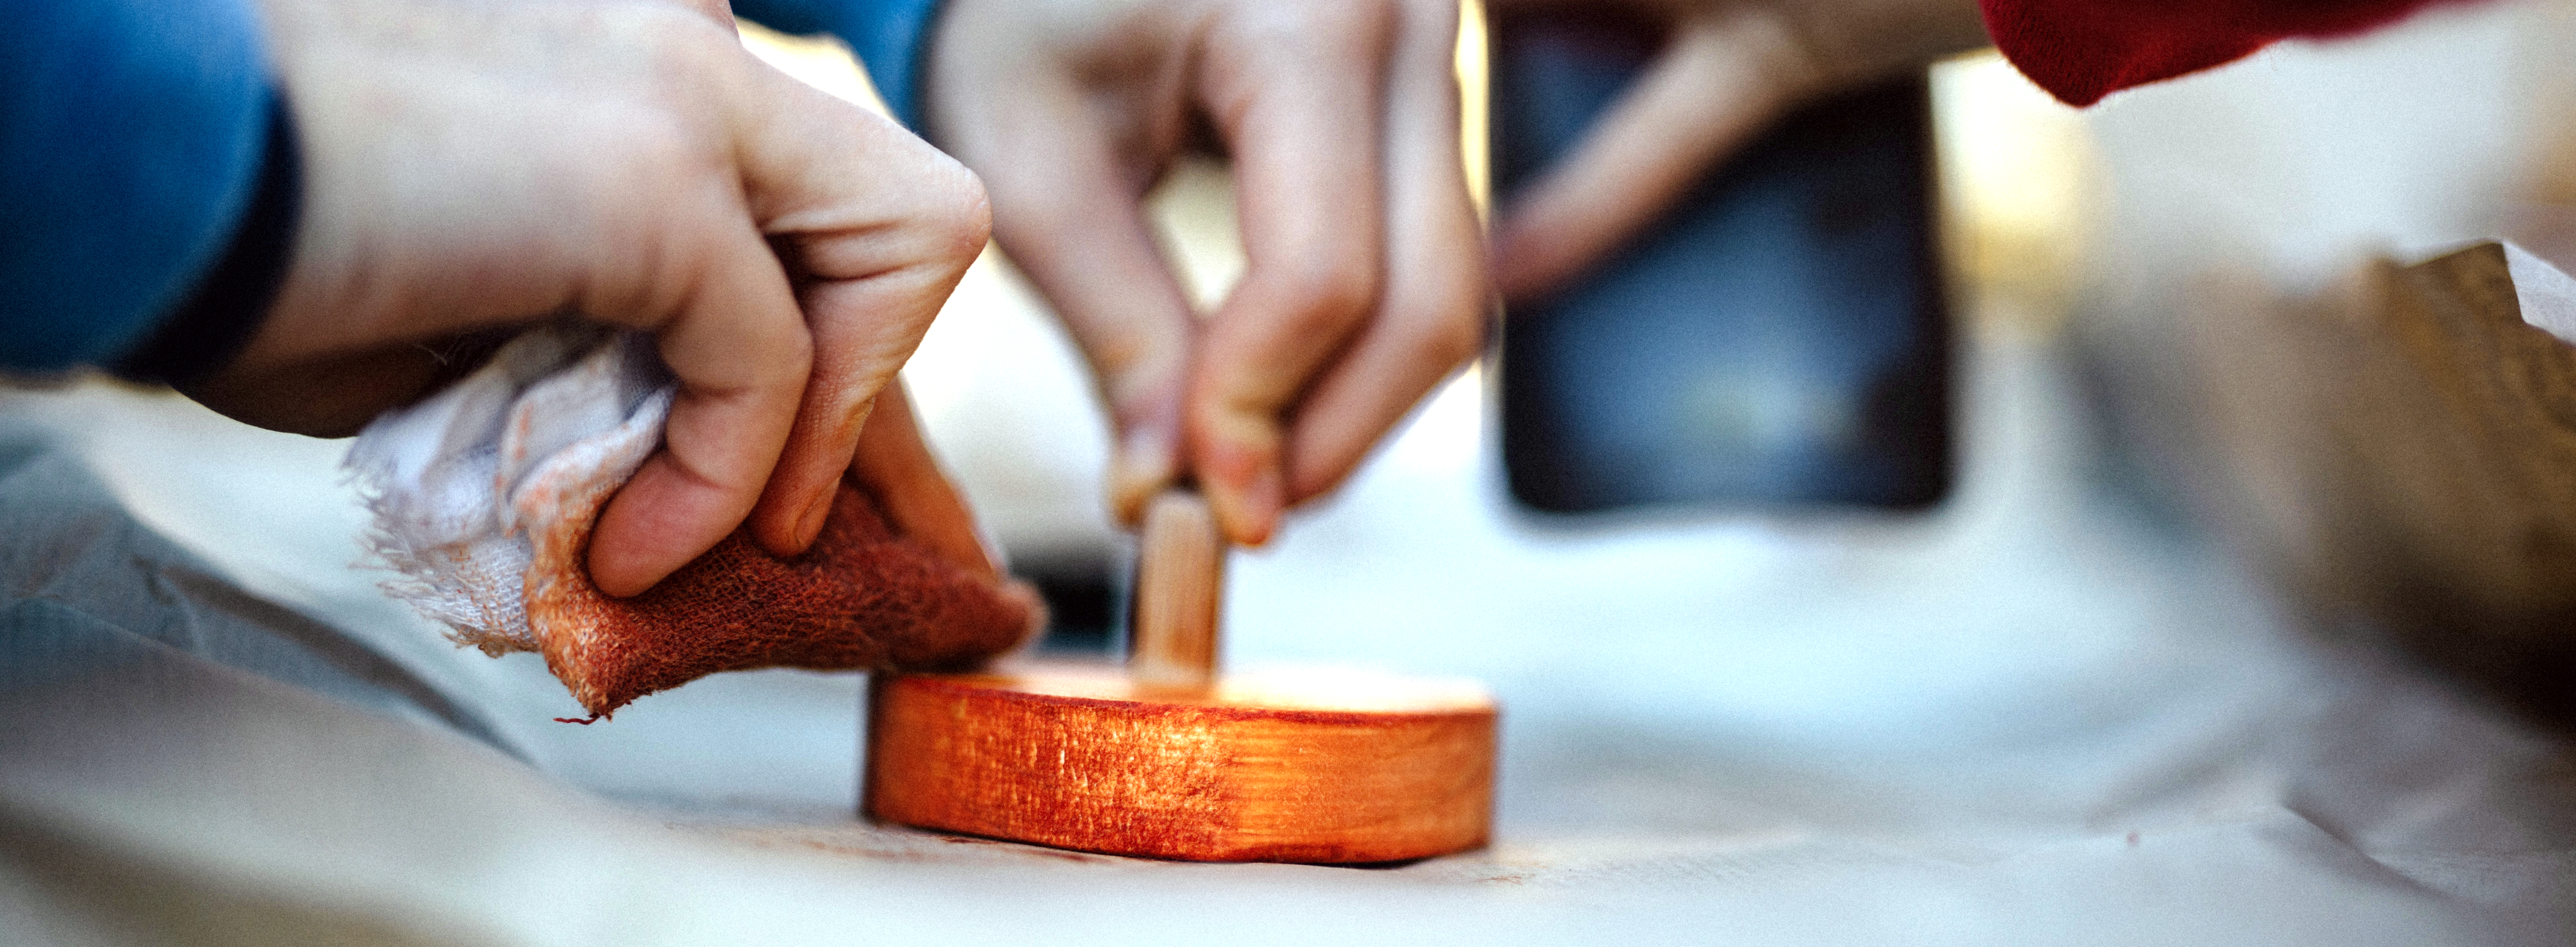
[
  {"x": 1180, "y": 593},
  {"x": 1171, "y": 759},
  {"x": 1320, "y": 766}
]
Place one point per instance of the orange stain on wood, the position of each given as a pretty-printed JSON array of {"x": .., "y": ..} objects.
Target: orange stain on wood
[{"x": 1316, "y": 766}]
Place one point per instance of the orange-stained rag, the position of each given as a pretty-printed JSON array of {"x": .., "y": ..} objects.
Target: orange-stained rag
[{"x": 484, "y": 497}]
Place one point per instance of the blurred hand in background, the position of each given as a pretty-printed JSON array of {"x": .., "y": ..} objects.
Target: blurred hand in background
[
  {"x": 1727, "y": 70},
  {"x": 470, "y": 167},
  {"x": 1365, "y": 281}
]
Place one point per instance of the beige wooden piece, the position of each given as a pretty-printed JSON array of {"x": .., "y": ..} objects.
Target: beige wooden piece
[
  {"x": 2402, "y": 449},
  {"x": 1171, "y": 759}
]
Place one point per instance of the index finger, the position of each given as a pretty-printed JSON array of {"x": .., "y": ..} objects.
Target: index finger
[
  {"x": 878, "y": 227},
  {"x": 1295, "y": 90},
  {"x": 1074, "y": 227},
  {"x": 1430, "y": 318},
  {"x": 769, "y": 413}
]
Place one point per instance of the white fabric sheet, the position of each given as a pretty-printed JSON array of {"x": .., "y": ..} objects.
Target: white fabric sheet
[
  {"x": 2044, "y": 716},
  {"x": 2035, "y": 719}
]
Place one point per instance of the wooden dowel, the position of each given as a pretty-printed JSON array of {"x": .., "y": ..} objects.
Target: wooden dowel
[{"x": 1180, "y": 593}]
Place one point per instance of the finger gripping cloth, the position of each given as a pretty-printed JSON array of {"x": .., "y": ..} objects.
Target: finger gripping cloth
[{"x": 485, "y": 495}]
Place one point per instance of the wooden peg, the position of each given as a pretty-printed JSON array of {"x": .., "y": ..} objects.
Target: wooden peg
[
  {"x": 1172, "y": 759},
  {"x": 1180, "y": 593}
]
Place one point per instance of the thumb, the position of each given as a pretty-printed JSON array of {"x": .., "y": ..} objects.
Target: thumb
[
  {"x": 1076, "y": 229},
  {"x": 741, "y": 355}
]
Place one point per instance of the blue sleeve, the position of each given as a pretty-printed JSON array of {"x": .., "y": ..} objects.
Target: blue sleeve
[
  {"x": 891, "y": 38},
  {"x": 132, "y": 134}
]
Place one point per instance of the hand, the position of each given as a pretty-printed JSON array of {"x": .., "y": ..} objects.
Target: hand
[
  {"x": 474, "y": 166},
  {"x": 1365, "y": 281},
  {"x": 1728, "y": 68},
  {"x": 896, "y": 467}
]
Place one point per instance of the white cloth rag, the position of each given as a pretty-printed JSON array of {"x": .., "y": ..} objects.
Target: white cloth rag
[{"x": 459, "y": 482}]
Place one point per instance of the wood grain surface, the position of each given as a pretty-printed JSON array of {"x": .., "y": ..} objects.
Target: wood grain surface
[
  {"x": 1311, "y": 765},
  {"x": 2402, "y": 450},
  {"x": 1180, "y": 593}
]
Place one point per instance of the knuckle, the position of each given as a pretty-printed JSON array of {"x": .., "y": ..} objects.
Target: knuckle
[
  {"x": 1333, "y": 29},
  {"x": 672, "y": 37},
  {"x": 1354, "y": 23},
  {"x": 665, "y": 155},
  {"x": 965, "y": 214},
  {"x": 791, "y": 362},
  {"x": 1323, "y": 295},
  {"x": 948, "y": 215},
  {"x": 1135, "y": 369},
  {"x": 1141, "y": 373},
  {"x": 1459, "y": 313},
  {"x": 1453, "y": 339}
]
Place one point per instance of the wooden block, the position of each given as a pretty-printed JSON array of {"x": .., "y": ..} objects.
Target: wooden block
[
  {"x": 1170, "y": 759},
  {"x": 2401, "y": 450},
  {"x": 1314, "y": 766}
]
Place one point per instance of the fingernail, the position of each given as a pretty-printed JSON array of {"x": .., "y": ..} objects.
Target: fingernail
[
  {"x": 1143, "y": 465},
  {"x": 810, "y": 526},
  {"x": 1261, "y": 500}
]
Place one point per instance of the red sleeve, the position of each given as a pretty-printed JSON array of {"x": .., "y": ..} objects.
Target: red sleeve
[{"x": 2082, "y": 50}]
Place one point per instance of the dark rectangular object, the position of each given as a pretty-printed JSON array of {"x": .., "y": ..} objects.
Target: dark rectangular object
[{"x": 1779, "y": 339}]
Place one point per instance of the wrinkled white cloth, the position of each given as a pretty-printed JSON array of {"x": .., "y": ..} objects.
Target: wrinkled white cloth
[
  {"x": 2041, "y": 722},
  {"x": 2547, "y": 293},
  {"x": 2048, "y": 723},
  {"x": 458, "y": 483}
]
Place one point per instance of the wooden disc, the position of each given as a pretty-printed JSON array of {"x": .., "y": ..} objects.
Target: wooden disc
[{"x": 1304, "y": 765}]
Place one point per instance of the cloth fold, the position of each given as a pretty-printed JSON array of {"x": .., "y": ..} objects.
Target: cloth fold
[
  {"x": 485, "y": 495},
  {"x": 2082, "y": 50}
]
